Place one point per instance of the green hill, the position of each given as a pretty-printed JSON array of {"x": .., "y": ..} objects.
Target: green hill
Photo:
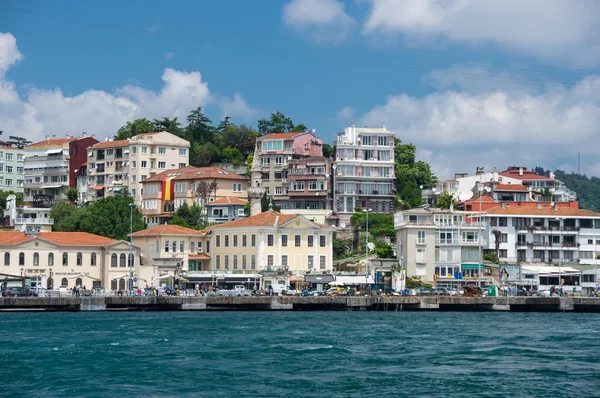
[{"x": 588, "y": 189}]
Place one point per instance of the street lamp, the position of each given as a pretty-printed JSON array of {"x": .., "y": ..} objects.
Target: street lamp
[
  {"x": 481, "y": 189},
  {"x": 559, "y": 252},
  {"x": 131, "y": 247},
  {"x": 367, "y": 248}
]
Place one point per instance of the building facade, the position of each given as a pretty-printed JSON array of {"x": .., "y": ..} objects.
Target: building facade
[
  {"x": 12, "y": 171},
  {"x": 364, "y": 171},
  {"x": 50, "y": 166},
  {"x": 68, "y": 259},
  {"x": 165, "y": 192},
  {"x": 226, "y": 209},
  {"x": 116, "y": 165}
]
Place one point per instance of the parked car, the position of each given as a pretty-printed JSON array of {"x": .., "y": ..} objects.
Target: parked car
[
  {"x": 441, "y": 291},
  {"x": 18, "y": 291}
]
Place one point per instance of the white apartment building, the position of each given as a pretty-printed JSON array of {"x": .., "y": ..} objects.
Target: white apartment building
[
  {"x": 364, "y": 171},
  {"x": 116, "y": 165},
  {"x": 12, "y": 175}
]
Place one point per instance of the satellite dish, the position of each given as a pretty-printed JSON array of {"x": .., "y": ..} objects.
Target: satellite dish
[
  {"x": 421, "y": 186},
  {"x": 343, "y": 225},
  {"x": 488, "y": 189},
  {"x": 334, "y": 166},
  {"x": 551, "y": 203},
  {"x": 289, "y": 157},
  {"x": 433, "y": 189},
  {"x": 371, "y": 245},
  {"x": 314, "y": 131},
  {"x": 326, "y": 175}
]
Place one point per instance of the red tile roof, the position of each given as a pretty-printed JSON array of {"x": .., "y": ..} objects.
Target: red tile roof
[
  {"x": 111, "y": 144},
  {"x": 165, "y": 229},
  {"x": 513, "y": 172},
  {"x": 279, "y": 136},
  {"x": 228, "y": 201},
  {"x": 199, "y": 256},
  {"x": 195, "y": 173},
  {"x": 510, "y": 187},
  {"x": 58, "y": 238},
  {"x": 543, "y": 211},
  {"x": 265, "y": 219},
  {"x": 51, "y": 142}
]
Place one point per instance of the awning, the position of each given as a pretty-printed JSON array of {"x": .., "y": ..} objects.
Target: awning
[
  {"x": 471, "y": 266},
  {"x": 296, "y": 278},
  {"x": 120, "y": 277},
  {"x": 352, "y": 279},
  {"x": 51, "y": 186},
  {"x": 98, "y": 187},
  {"x": 83, "y": 276},
  {"x": 53, "y": 151},
  {"x": 320, "y": 278}
]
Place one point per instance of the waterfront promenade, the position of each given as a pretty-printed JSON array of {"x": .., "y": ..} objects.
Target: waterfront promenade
[{"x": 295, "y": 303}]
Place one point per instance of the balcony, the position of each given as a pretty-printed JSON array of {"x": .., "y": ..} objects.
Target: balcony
[{"x": 34, "y": 221}]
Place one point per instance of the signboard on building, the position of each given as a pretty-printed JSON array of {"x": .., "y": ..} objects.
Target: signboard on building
[{"x": 510, "y": 272}]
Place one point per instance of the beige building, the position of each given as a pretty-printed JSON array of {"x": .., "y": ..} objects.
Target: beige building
[
  {"x": 273, "y": 245},
  {"x": 164, "y": 193},
  {"x": 169, "y": 251},
  {"x": 68, "y": 258},
  {"x": 115, "y": 165}
]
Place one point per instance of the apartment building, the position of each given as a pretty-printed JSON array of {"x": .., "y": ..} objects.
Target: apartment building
[
  {"x": 275, "y": 153},
  {"x": 364, "y": 171},
  {"x": 50, "y": 166},
  {"x": 272, "y": 242},
  {"x": 436, "y": 245},
  {"x": 226, "y": 209},
  {"x": 12, "y": 174},
  {"x": 117, "y": 165},
  {"x": 539, "y": 183},
  {"x": 165, "y": 192}
]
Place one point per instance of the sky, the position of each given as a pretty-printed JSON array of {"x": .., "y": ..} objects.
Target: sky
[{"x": 470, "y": 83}]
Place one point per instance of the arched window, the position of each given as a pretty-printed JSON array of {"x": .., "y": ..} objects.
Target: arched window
[
  {"x": 50, "y": 285},
  {"x": 121, "y": 284},
  {"x": 130, "y": 260},
  {"x": 93, "y": 260},
  {"x": 7, "y": 258},
  {"x": 79, "y": 259},
  {"x": 78, "y": 282},
  {"x": 113, "y": 260},
  {"x": 36, "y": 258},
  {"x": 113, "y": 284},
  {"x": 21, "y": 258},
  {"x": 64, "y": 282},
  {"x": 50, "y": 258},
  {"x": 122, "y": 260},
  {"x": 65, "y": 258}
]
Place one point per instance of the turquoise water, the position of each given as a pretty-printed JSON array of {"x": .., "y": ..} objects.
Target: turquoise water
[{"x": 299, "y": 354}]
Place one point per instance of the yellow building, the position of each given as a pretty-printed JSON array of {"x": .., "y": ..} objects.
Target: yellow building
[{"x": 271, "y": 244}]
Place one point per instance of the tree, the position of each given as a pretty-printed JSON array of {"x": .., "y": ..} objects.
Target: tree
[
  {"x": 277, "y": 123},
  {"x": 204, "y": 154},
  {"x": 232, "y": 155},
  {"x": 18, "y": 142},
  {"x": 72, "y": 194},
  {"x": 445, "y": 199},
  {"x": 341, "y": 247},
  {"x": 188, "y": 217},
  {"x": 131, "y": 128},
  {"x": 170, "y": 125},
  {"x": 411, "y": 175},
  {"x": 327, "y": 150},
  {"x": 203, "y": 191},
  {"x": 199, "y": 128},
  {"x": 66, "y": 216},
  {"x": 266, "y": 201},
  {"x": 109, "y": 217},
  {"x": 380, "y": 224},
  {"x": 383, "y": 249}
]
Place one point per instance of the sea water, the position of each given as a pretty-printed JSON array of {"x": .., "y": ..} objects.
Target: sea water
[{"x": 299, "y": 354}]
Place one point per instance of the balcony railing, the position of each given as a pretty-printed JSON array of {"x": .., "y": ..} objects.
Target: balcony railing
[{"x": 34, "y": 221}]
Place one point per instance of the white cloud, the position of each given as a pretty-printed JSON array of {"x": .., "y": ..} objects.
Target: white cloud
[
  {"x": 346, "y": 115},
  {"x": 461, "y": 130},
  {"x": 45, "y": 112},
  {"x": 169, "y": 55},
  {"x": 154, "y": 28},
  {"x": 553, "y": 29},
  {"x": 237, "y": 108},
  {"x": 322, "y": 20}
]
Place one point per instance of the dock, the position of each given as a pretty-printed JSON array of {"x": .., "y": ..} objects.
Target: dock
[{"x": 295, "y": 303}]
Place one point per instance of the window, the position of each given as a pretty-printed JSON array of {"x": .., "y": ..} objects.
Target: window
[
  {"x": 503, "y": 253},
  {"x": 235, "y": 240},
  {"x": 502, "y": 221},
  {"x": 9, "y": 169},
  {"x": 420, "y": 237},
  {"x": 470, "y": 237},
  {"x": 192, "y": 247},
  {"x": 36, "y": 258},
  {"x": 50, "y": 258},
  {"x": 284, "y": 260},
  {"x": 269, "y": 240},
  {"x": 270, "y": 260},
  {"x": 144, "y": 164},
  {"x": 322, "y": 262},
  {"x": 21, "y": 258},
  {"x": 420, "y": 256},
  {"x": 226, "y": 240},
  {"x": 174, "y": 246},
  {"x": 284, "y": 240},
  {"x": 64, "y": 282},
  {"x": 122, "y": 260},
  {"x": 237, "y": 187},
  {"x": 244, "y": 261},
  {"x": 297, "y": 240},
  {"x": 182, "y": 165},
  {"x": 79, "y": 259},
  {"x": 7, "y": 258},
  {"x": 226, "y": 261},
  {"x": 144, "y": 149},
  {"x": 65, "y": 259},
  {"x": 311, "y": 262},
  {"x": 235, "y": 261},
  {"x": 162, "y": 165},
  {"x": 298, "y": 186},
  {"x": 182, "y": 246},
  {"x": 218, "y": 242},
  {"x": 93, "y": 259},
  {"x": 322, "y": 240},
  {"x": 134, "y": 149},
  {"x": 272, "y": 145},
  {"x": 157, "y": 248},
  {"x": 310, "y": 239},
  {"x": 162, "y": 150},
  {"x": 113, "y": 260},
  {"x": 218, "y": 261},
  {"x": 244, "y": 240},
  {"x": 253, "y": 240},
  {"x": 133, "y": 164},
  {"x": 253, "y": 261},
  {"x": 166, "y": 246},
  {"x": 182, "y": 152}
]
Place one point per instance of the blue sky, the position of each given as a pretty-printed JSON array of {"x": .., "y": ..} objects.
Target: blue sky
[{"x": 495, "y": 84}]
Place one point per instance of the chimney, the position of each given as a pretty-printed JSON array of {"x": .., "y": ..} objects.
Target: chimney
[
  {"x": 47, "y": 138},
  {"x": 538, "y": 205},
  {"x": 479, "y": 171},
  {"x": 520, "y": 171},
  {"x": 83, "y": 135},
  {"x": 54, "y": 136},
  {"x": 503, "y": 205},
  {"x": 555, "y": 207}
]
